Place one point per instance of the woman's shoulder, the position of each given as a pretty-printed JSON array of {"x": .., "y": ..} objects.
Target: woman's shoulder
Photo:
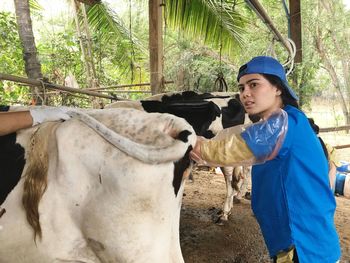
[
  {"x": 294, "y": 114},
  {"x": 293, "y": 110}
]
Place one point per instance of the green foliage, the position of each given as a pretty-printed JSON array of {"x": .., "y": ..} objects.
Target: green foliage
[
  {"x": 215, "y": 22},
  {"x": 116, "y": 44},
  {"x": 195, "y": 67},
  {"x": 10, "y": 47},
  {"x": 195, "y": 32},
  {"x": 11, "y": 61},
  {"x": 60, "y": 55}
]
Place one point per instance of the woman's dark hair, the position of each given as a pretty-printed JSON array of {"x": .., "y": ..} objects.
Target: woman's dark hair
[
  {"x": 287, "y": 99},
  {"x": 314, "y": 126},
  {"x": 316, "y": 129}
]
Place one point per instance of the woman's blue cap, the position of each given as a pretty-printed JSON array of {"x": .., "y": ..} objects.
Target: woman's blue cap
[{"x": 266, "y": 65}]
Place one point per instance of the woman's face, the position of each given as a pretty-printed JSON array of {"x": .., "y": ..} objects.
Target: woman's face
[{"x": 258, "y": 95}]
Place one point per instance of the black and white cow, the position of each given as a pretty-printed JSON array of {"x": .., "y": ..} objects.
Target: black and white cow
[
  {"x": 208, "y": 113},
  {"x": 87, "y": 193}
]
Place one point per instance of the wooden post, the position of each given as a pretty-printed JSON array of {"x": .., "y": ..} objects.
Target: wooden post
[
  {"x": 156, "y": 46},
  {"x": 295, "y": 28}
]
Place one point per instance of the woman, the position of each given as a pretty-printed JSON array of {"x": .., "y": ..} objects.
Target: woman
[
  {"x": 291, "y": 197},
  {"x": 16, "y": 120}
]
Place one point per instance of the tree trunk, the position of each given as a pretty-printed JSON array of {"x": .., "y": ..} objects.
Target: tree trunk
[
  {"x": 25, "y": 31},
  {"x": 332, "y": 72},
  {"x": 341, "y": 56},
  {"x": 85, "y": 42}
]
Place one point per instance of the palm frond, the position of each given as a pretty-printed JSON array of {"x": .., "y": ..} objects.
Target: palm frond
[
  {"x": 34, "y": 4},
  {"x": 216, "y": 22},
  {"x": 35, "y": 8},
  {"x": 108, "y": 24},
  {"x": 110, "y": 30}
]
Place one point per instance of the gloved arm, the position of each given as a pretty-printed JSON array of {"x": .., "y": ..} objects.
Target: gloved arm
[
  {"x": 40, "y": 115},
  {"x": 243, "y": 145},
  {"x": 13, "y": 121}
]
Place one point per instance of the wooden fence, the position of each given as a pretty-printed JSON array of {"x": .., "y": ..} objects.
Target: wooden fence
[{"x": 335, "y": 129}]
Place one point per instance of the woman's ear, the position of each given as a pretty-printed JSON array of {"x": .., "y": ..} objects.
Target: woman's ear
[{"x": 279, "y": 92}]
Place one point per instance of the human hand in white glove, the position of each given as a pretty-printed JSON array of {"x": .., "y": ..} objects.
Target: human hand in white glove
[{"x": 40, "y": 115}]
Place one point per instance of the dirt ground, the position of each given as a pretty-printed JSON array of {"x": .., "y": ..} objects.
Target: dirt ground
[{"x": 240, "y": 240}]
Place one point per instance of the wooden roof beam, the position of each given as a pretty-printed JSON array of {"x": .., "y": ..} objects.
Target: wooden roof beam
[{"x": 260, "y": 11}]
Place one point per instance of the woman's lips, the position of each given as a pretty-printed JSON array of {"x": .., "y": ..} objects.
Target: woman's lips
[{"x": 248, "y": 104}]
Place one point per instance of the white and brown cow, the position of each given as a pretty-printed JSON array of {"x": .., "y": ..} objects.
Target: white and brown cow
[
  {"x": 93, "y": 194},
  {"x": 208, "y": 113}
]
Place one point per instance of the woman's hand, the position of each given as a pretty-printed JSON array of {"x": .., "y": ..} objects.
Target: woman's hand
[
  {"x": 40, "y": 115},
  {"x": 195, "y": 154}
]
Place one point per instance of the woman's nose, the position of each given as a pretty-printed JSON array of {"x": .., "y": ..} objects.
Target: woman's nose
[{"x": 245, "y": 92}]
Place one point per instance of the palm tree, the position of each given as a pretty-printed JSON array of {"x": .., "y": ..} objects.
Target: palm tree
[
  {"x": 216, "y": 22},
  {"x": 25, "y": 31}
]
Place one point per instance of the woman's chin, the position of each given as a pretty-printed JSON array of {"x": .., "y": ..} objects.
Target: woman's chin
[{"x": 251, "y": 111}]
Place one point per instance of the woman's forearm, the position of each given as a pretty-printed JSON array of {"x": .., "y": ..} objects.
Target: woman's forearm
[{"x": 14, "y": 121}]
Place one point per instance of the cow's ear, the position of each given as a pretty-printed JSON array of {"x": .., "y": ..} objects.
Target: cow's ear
[{"x": 235, "y": 105}]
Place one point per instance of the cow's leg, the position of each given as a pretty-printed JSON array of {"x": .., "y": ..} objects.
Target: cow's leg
[
  {"x": 236, "y": 179},
  {"x": 63, "y": 238},
  {"x": 79, "y": 255},
  {"x": 79, "y": 252},
  {"x": 240, "y": 183},
  {"x": 176, "y": 253},
  {"x": 226, "y": 210},
  {"x": 244, "y": 181}
]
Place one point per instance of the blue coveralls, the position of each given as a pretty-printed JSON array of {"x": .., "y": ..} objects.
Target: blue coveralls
[{"x": 291, "y": 197}]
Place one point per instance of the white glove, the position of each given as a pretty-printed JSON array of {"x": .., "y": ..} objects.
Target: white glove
[{"x": 40, "y": 115}]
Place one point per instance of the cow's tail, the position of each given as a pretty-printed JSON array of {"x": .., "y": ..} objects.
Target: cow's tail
[
  {"x": 182, "y": 133},
  {"x": 35, "y": 175}
]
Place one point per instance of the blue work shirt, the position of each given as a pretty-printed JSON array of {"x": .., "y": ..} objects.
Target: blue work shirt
[{"x": 291, "y": 196}]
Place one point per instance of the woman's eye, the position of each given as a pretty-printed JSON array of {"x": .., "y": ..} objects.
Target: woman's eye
[
  {"x": 240, "y": 88},
  {"x": 253, "y": 85}
]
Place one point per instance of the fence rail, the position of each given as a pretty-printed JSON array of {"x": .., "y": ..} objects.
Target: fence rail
[
  {"x": 87, "y": 91},
  {"x": 38, "y": 83},
  {"x": 342, "y": 146},
  {"x": 335, "y": 129}
]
